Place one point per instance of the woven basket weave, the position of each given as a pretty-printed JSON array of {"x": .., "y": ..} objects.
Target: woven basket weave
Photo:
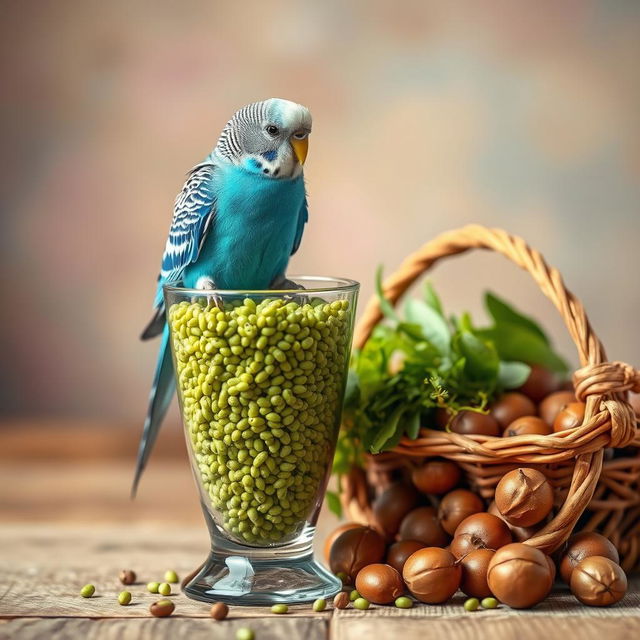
[{"x": 606, "y": 492}]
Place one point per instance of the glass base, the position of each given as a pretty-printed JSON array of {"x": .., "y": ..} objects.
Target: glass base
[
  {"x": 240, "y": 580},
  {"x": 242, "y": 575}
]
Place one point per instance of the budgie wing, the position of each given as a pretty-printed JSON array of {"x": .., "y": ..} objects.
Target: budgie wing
[
  {"x": 303, "y": 216},
  {"x": 193, "y": 215}
]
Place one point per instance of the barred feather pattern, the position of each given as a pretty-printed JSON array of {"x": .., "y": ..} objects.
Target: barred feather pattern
[
  {"x": 193, "y": 214},
  {"x": 229, "y": 144}
]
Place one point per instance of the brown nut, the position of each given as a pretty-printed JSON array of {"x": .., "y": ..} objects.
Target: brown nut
[
  {"x": 519, "y": 575},
  {"x": 511, "y": 406},
  {"x": 456, "y": 506},
  {"x": 379, "y": 583},
  {"x": 219, "y": 611},
  {"x": 519, "y": 534},
  {"x": 354, "y": 549},
  {"x": 570, "y": 417},
  {"x": 391, "y": 506},
  {"x": 527, "y": 425},
  {"x": 540, "y": 383},
  {"x": 473, "y": 422},
  {"x": 479, "y": 531},
  {"x": 553, "y": 404},
  {"x": 432, "y": 575},
  {"x": 422, "y": 525},
  {"x": 436, "y": 476},
  {"x": 399, "y": 552},
  {"x": 524, "y": 497},
  {"x": 331, "y": 538},
  {"x": 127, "y": 576},
  {"x": 341, "y": 601},
  {"x": 474, "y": 573},
  {"x": 162, "y": 608},
  {"x": 584, "y": 545},
  {"x": 598, "y": 582}
]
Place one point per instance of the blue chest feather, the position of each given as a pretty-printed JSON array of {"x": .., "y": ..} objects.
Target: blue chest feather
[{"x": 253, "y": 231}]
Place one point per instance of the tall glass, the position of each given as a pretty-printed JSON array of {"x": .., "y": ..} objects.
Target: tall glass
[{"x": 260, "y": 378}]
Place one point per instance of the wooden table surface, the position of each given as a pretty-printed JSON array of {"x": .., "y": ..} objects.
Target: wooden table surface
[{"x": 67, "y": 520}]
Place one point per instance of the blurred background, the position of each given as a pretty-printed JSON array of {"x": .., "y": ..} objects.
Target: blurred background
[{"x": 427, "y": 116}]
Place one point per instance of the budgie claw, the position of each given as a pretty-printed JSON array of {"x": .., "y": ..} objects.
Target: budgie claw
[
  {"x": 283, "y": 283},
  {"x": 207, "y": 284}
]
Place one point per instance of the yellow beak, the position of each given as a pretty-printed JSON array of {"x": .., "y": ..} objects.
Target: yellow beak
[{"x": 300, "y": 148}]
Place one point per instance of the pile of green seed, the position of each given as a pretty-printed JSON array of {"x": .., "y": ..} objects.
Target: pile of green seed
[{"x": 261, "y": 390}]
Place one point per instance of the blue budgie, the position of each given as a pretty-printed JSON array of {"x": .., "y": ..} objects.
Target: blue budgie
[{"x": 236, "y": 222}]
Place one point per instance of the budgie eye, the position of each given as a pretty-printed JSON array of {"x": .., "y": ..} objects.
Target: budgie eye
[{"x": 272, "y": 130}]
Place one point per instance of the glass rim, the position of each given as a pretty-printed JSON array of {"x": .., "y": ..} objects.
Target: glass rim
[{"x": 337, "y": 285}]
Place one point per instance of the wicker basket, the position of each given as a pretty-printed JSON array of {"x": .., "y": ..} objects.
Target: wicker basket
[{"x": 591, "y": 492}]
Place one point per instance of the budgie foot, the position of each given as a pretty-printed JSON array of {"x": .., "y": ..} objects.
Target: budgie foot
[
  {"x": 207, "y": 284},
  {"x": 283, "y": 283}
]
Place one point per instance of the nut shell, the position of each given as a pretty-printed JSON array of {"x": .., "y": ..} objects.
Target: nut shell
[
  {"x": 473, "y": 422},
  {"x": 598, "y": 582},
  {"x": 219, "y": 611},
  {"x": 379, "y": 583},
  {"x": 479, "y": 531},
  {"x": 519, "y": 575},
  {"x": 391, "y": 506},
  {"x": 399, "y": 552},
  {"x": 456, "y": 506},
  {"x": 127, "y": 576},
  {"x": 162, "y": 608},
  {"x": 511, "y": 406},
  {"x": 422, "y": 524},
  {"x": 524, "y": 497},
  {"x": 519, "y": 534},
  {"x": 332, "y": 537},
  {"x": 436, "y": 476},
  {"x": 354, "y": 549},
  {"x": 474, "y": 573},
  {"x": 540, "y": 383},
  {"x": 553, "y": 404},
  {"x": 527, "y": 425},
  {"x": 432, "y": 575},
  {"x": 570, "y": 417},
  {"x": 584, "y": 545}
]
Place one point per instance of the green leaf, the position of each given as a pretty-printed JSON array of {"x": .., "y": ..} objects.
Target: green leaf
[
  {"x": 512, "y": 375},
  {"x": 388, "y": 430},
  {"x": 413, "y": 425},
  {"x": 434, "y": 326},
  {"x": 333, "y": 502},
  {"x": 432, "y": 298},
  {"x": 503, "y": 313},
  {"x": 385, "y": 306},
  {"x": 352, "y": 389},
  {"x": 518, "y": 343},
  {"x": 481, "y": 359}
]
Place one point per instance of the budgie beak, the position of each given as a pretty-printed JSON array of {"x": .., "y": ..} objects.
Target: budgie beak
[{"x": 300, "y": 148}]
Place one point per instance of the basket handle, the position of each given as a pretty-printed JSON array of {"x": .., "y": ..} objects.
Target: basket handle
[{"x": 593, "y": 381}]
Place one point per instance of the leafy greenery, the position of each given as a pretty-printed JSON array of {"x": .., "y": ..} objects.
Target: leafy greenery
[{"x": 414, "y": 364}]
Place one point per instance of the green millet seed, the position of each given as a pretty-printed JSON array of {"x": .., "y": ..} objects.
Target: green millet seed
[
  {"x": 124, "y": 598},
  {"x": 260, "y": 384},
  {"x": 471, "y": 604},
  {"x": 171, "y": 576},
  {"x": 489, "y": 603},
  {"x": 244, "y": 633},
  {"x": 354, "y": 595},
  {"x": 320, "y": 605},
  {"x": 164, "y": 589},
  {"x": 152, "y": 587},
  {"x": 361, "y": 603},
  {"x": 279, "y": 608},
  {"x": 404, "y": 603},
  {"x": 87, "y": 591}
]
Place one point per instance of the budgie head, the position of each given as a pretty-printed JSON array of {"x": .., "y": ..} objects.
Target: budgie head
[{"x": 269, "y": 137}]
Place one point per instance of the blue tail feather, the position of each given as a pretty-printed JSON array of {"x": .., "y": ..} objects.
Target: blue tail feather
[{"x": 160, "y": 398}]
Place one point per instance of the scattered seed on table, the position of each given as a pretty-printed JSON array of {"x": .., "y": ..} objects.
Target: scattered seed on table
[
  {"x": 489, "y": 603},
  {"x": 404, "y": 603},
  {"x": 361, "y": 603},
  {"x": 164, "y": 589},
  {"x": 354, "y": 595},
  {"x": 152, "y": 587},
  {"x": 87, "y": 591},
  {"x": 162, "y": 608},
  {"x": 124, "y": 598},
  {"x": 279, "y": 608},
  {"x": 127, "y": 576},
  {"x": 320, "y": 605},
  {"x": 471, "y": 604},
  {"x": 244, "y": 633},
  {"x": 219, "y": 611},
  {"x": 171, "y": 576},
  {"x": 341, "y": 601}
]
